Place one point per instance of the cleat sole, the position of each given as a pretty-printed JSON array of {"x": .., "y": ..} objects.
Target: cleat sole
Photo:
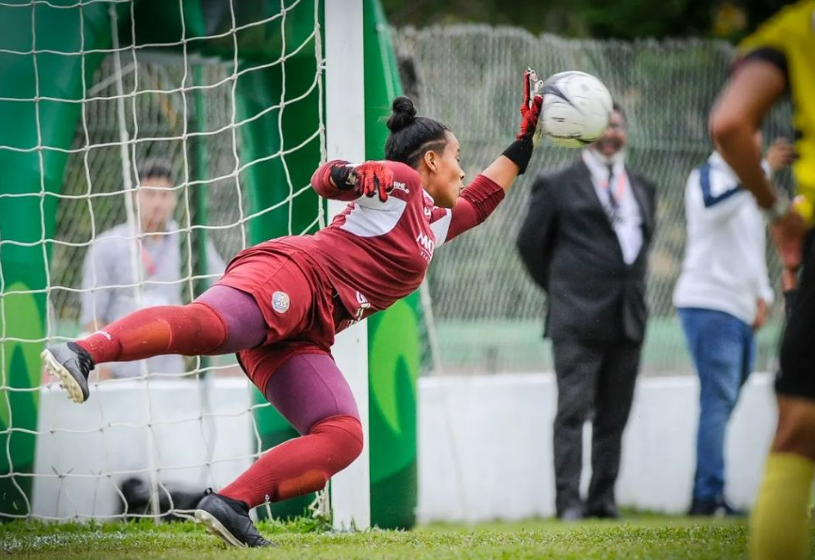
[
  {"x": 215, "y": 527},
  {"x": 66, "y": 380}
]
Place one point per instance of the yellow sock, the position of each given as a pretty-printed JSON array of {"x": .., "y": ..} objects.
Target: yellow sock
[{"x": 779, "y": 524}]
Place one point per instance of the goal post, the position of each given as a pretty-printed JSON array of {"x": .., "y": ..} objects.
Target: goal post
[
  {"x": 394, "y": 347},
  {"x": 345, "y": 139},
  {"x": 253, "y": 127}
]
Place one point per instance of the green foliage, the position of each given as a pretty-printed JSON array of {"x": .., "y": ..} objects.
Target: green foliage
[{"x": 623, "y": 19}]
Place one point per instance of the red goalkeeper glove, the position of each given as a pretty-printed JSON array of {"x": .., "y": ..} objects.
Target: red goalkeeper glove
[
  {"x": 369, "y": 179},
  {"x": 520, "y": 151},
  {"x": 530, "y": 107}
]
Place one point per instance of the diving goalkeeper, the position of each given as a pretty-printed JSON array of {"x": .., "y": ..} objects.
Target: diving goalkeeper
[{"x": 280, "y": 303}]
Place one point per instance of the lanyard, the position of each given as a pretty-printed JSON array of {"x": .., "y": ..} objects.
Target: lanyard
[
  {"x": 615, "y": 197},
  {"x": 151, "y": 264}
]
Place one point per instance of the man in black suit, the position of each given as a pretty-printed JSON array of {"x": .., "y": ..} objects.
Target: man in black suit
[{"x": 585, "y": 242}]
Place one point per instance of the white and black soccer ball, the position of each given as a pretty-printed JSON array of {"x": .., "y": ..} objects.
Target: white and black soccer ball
[{"x": 576, "y": 108}]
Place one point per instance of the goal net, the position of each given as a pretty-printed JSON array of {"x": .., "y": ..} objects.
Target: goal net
[
  {"x": 229, "y": 97},
  {"x": 487, "y": 312}
]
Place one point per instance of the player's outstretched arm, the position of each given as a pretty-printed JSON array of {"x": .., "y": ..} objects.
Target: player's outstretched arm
[
  {"x": 480, "y": 198},
  {"x": 747, "y": 98},
  {"x": 515, "y": 158},
  {"x": 340, "y": 180},
  {"x": 742, "y": 105}
]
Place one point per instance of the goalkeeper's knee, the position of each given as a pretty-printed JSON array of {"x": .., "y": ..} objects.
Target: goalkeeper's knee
[
  {"x": 333, "y": 444},
  {"x": 342, "y": 440}
]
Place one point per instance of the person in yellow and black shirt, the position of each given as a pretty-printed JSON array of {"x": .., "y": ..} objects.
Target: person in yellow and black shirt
[{"x": 779, "y": 59}]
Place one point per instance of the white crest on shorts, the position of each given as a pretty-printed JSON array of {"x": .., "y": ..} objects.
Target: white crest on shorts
[{"x": 280, "y": 302}]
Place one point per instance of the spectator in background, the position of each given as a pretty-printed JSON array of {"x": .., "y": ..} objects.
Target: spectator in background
[
  {"x": 108, "y": 275},
  {"x": 585, "y": 242},
  {"x": 722, "y": 296}
]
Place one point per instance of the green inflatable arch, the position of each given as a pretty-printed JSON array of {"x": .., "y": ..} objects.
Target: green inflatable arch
[{"x": 49, "y": 98}]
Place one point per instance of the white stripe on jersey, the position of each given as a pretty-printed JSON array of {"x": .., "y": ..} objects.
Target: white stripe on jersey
[
  {"x": 370, "y": 219},
  {"x": 441, "y": 226}
]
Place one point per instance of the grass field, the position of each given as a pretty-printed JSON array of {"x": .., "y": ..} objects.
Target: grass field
[{"x": 638, "y": 538}]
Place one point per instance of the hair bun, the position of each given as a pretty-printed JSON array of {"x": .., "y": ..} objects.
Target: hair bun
[{"x": 403, "y": 114}]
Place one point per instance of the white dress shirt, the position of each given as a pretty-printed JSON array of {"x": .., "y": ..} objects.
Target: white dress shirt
[{"x": 623, "y": 210}]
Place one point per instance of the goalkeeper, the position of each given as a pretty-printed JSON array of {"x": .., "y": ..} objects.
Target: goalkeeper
[
  {"x": 280, "y": 303},
  {"x": 778, "y": 59}
]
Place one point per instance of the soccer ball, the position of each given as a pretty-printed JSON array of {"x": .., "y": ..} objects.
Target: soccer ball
[{"x": 576, "y": 108}]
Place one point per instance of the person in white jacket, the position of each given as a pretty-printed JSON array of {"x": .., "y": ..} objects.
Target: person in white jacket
[{"x": 722, "y": 296}]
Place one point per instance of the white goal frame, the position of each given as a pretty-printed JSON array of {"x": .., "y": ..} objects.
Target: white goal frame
[{"x": 345, "y": 139}]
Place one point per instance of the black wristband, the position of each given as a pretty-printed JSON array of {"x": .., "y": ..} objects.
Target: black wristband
[
  {"x": 339, "y": 174},
  {"x": 520, "y": 152}
]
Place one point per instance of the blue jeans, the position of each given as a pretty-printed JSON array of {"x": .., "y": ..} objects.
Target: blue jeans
[{"x": 722, "y": 347}]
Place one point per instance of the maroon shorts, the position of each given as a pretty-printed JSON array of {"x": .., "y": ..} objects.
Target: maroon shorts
[{"x": 296, "y": 302}]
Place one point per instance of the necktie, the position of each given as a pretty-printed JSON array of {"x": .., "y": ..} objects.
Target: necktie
[{"x": 613, "y": 203}]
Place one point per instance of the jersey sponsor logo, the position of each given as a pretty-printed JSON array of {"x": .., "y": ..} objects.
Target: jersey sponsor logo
[
  {"x": 280, "y": 302},
  {"x": 428, "y": 205},
  {"x": 364, "y": 305},
  {"x": 397, "y": 186},
  {"x": 426, "y": 245}
]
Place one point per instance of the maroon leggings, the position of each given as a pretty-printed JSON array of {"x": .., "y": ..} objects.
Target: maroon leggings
[
  {"x": 308, "y": 389},
  {"x": 310, "y": 392},
  {"x": 305, "y": 389}
]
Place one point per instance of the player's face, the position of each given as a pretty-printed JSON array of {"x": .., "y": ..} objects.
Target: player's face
[
  {"x": 156, "y": 200},
  {"x": 615, "y": 136},
  {"x": 448, "y": 177}
]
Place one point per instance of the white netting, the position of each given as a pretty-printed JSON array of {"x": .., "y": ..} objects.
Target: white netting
[
  {"x": 177, "y": 432},
  {"x": 488, "y": 313}
]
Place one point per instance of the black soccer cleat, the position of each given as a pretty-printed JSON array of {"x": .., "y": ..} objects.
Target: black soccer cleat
[
  {"x": 229, "y": 520},
  {"x": 71, "y": 364}
]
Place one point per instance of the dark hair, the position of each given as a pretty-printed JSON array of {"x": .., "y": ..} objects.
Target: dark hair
[
  {"x": 619, "y": 109},
  {"x": 411, "y": 136},
  {"x": 155, "y": 168}
]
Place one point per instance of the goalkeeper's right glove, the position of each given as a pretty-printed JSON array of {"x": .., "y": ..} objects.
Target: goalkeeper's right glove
[{"x": 369, "y": 178}]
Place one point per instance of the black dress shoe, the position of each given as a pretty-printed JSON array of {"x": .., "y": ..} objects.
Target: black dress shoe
[
  {"x": 571, "y": 513},
  {"x": 606, "y": 511},
  {"x": 713, "y": 508}
]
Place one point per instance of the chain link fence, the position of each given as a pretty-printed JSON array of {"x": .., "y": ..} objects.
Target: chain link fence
[{"x": 487, "y": 312}]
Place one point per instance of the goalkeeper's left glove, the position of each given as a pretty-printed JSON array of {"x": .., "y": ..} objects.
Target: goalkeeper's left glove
[
  {"x": 531, "y": 106},
  {"x": 520, "y": 151}
]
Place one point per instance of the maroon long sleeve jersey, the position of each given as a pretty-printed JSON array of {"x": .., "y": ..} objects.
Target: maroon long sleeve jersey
[{"x": 375, "y": 253}]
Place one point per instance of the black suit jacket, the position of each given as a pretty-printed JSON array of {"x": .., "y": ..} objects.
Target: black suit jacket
[{"x": 571, "y": 250}]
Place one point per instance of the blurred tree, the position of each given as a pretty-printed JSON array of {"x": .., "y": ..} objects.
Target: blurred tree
[{"x": 623, "y": 19}]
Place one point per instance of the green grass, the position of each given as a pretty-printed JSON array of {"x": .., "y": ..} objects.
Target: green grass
[{"x": 641, "y": 537}]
